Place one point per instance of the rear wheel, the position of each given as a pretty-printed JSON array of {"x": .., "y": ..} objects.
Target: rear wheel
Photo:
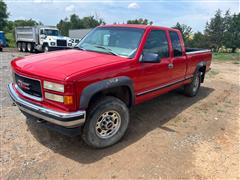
[
  {"x": 24, "y": 47},
  {"x": 29, "y": 47},
  {"x": 19, "y": 46},
  {"x": 107, "y": 122},
  {"x": 192, "y": 88}
]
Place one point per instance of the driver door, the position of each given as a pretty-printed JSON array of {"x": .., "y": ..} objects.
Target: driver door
[
  {"x": 155, "y": 75},
  {"x": 42, "y": 36}
]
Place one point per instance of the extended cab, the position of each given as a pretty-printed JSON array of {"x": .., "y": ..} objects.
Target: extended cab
[{"x": 114, "y": 67}]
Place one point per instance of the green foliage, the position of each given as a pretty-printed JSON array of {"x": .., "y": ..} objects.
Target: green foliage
[
  {"x": 232, "y": 33},
  {"x": 10, "y": 29},
  {"x": 140, "y": 21},
  {"x": 3, "y": 15},
  {"x": 10, "y": 26},
  {"x": 74, "y": 22},
  {"x": 223, "y": 31},
  {"x": 199, "y": 40},
  {"x": 186, "y": 32},
  {"x": 27, "y": 22},
  {"x": 215, "y": 30},
  {"x": 227, "y": 56},
  {"x": 10, "y": 39}
]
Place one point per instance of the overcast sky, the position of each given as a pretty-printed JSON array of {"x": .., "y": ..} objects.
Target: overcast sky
[{"x": 162, "y": 12}]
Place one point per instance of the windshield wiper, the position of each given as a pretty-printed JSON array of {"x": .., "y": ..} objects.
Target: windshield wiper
[
  {"x": 77, "y": 47},
  {"x": 108, "y": 50}
]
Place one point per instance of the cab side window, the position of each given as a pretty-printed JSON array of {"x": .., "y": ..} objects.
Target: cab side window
[
  {"x": 176, "y": 45},
  {"x": 157, "y": 43},
  {"x": 41, "y": 31}
]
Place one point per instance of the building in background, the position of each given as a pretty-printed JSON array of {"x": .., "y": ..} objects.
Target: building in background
[{"x": 77, "y": 34}]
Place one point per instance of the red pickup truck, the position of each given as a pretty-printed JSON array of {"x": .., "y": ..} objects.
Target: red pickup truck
[{"x": 90, "y": 89}]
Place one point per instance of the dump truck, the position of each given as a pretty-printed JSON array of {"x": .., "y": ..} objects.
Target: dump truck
[{"x": 40, "y": 38}]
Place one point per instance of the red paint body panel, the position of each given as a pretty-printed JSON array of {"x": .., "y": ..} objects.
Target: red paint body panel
[{"x": 78, "y": 69}]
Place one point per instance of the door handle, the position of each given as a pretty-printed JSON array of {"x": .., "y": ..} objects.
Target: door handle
[{"x": 170, "y": 65}]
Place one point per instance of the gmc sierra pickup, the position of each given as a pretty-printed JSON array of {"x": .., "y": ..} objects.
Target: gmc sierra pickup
[{"x": 90, "y": 89}]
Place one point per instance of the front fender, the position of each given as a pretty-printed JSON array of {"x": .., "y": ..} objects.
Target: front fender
[{"x": 96, "y": 87}]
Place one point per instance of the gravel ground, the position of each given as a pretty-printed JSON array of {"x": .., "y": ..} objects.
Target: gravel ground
[{"x": 170, "y": 137}]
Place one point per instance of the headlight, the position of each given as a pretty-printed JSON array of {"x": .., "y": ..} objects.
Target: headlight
[
  {"x": 52, "y": 43},
  {"x": 53, "y": 86},
  {"x": 54, "y": 97},
  {"x": 69, "y": 44}
]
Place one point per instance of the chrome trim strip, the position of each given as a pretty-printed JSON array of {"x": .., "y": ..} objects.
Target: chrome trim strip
[
  {"x": 20, "y": 102},
  {"x": 200, "y": 51},
  {"x": 67, "y": 124},
  {"x": 163, "y": 86},
  {"x": 28, "y": 95},
  {"x": 188, "y": 77}
]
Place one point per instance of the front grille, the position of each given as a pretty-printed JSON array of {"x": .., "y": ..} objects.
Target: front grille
[
  {"x": 61, "y": 43},
  {"x": 29, "y": 86}
]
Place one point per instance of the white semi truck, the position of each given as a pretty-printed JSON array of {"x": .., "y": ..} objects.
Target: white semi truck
[{"x": 41, "y": 38}]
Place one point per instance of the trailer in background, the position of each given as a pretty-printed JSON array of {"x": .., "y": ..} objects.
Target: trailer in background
[
  {"x": 3, "y": 41},
  {"x": 40, "y": 38}
]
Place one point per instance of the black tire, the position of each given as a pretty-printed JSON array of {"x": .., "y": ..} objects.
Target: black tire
[
  {"x": 24, "y": 47},
  {"x": 45, "y": 48},
  {"x": 19, "y": 46},
  {"x": 192, "y": 89},
  {"x": 29, "y": 47},
  {"x": 94, "y": 128}
]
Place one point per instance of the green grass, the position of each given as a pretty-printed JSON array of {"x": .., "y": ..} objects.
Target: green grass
[
  {"x": 10, "y": 40},
  {"x": 227, "y": 57}
]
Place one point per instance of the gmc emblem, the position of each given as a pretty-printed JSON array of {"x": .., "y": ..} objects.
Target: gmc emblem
[{"x": 23, "y": 85}]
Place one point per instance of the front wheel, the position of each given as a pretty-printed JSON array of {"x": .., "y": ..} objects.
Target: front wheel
[
  {"x": 192, "y": 88},
  {"x": 45, "y": 48},
  {"x": 107, "y": 122}
]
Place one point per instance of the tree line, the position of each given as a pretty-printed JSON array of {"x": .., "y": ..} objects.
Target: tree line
[
  {"x": 75, "y": 22},
  {"x": 221, "y": 31}
]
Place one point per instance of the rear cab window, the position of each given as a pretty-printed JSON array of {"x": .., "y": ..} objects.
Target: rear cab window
[{"x": 176, "y": 44}]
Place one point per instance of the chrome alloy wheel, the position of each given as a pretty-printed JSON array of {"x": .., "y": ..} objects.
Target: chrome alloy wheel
[{"x": 108, "y": 124}]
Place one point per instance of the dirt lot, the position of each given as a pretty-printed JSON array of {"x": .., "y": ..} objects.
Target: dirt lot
[{"x": 172, "y": 136}]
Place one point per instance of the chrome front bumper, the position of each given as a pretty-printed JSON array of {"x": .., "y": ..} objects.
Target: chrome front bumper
[{"x": 68, "y": 120}]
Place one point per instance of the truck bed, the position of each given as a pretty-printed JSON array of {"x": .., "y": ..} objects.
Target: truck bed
[
  {"x": 196, "y": 56},
  {"x": 27, "y": 34}
]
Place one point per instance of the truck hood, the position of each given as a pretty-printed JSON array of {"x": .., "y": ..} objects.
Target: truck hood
[
  {"x": 62, "y": 64},
  {"x": 58, "y": 38}
]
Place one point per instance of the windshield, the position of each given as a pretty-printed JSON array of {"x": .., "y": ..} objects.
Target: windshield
[
  {"x": 51, "y": 32},
  {"x": 113, "y": 40}
]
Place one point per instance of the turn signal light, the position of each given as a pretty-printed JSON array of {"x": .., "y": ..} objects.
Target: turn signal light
[{"x": 68, "y": 100}]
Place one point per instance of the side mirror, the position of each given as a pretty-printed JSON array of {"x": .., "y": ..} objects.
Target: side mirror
[
  {"x": 43, "y": 36},
  {"x": 150, "y": 58}
]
